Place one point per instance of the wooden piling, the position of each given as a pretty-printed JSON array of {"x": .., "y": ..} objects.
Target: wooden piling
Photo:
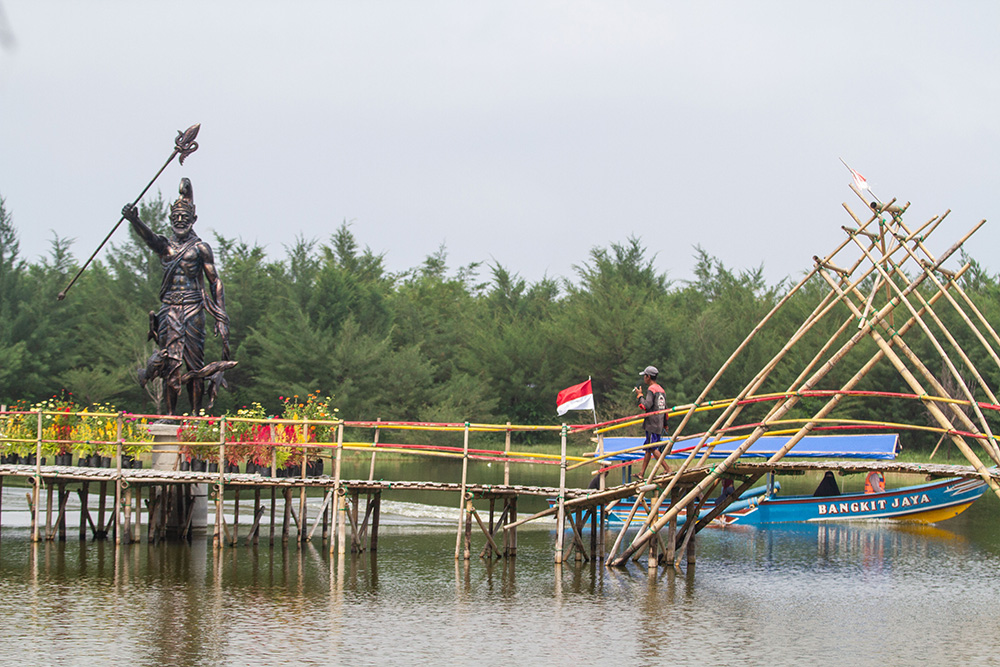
[
  {"x": 102, "y": 500},
  {"x": 287, "y": 517},
  {"x": 338, "y": 508},
  {"x": 326, "y": 516},
  {"x": 376, "y": 498},
  {"x": 462, "y": 503},
  {"x": 467, "y": 551},
  {"x": 561, "y": 515},
  {"x": 257, "y": 510},
  {"x": 236, "y": 517},
  {"x": 303, "y": 520},
  {"x": 61, "y": 518},
  {"x": 670, "y": 555},
  {"x": 506, "y": 456},
  {"x": 118, "y": 478},
  {"x": 49, "y": 535},
  {"x": 220, "y": 497},
  {"x": 84, "y": 511},
  {"x": 371, "y": 467},
  {"x": 138, "y": 514},
  {"x": 274, "y": 500},
  {"x": 38, "y": 482},
  {"x": 127, "y": 532}
]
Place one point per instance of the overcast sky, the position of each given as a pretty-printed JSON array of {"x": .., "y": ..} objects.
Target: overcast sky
[{"x": 519, "y": 133}]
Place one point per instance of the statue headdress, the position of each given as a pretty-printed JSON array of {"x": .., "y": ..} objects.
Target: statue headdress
[{"x": 186, "y": 200}]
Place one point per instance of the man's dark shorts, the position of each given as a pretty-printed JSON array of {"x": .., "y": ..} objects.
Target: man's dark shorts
[{"x": 651, "y": 438}]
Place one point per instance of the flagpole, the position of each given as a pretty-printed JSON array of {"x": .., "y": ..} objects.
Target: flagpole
[
  {"x": 863, "y": 183},
  {"x": 594, "y": 401}
]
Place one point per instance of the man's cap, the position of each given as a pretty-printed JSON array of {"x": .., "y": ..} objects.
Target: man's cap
[{"x": 650, "y": 370}]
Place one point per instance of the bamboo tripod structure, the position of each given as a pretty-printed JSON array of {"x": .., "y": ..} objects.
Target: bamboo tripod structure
[{"x": 891, "y": 287}]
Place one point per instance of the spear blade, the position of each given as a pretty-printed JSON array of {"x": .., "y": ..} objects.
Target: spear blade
[{"x": 185, "y": 143}]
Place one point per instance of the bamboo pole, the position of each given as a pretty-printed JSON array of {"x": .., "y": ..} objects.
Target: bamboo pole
[
  {"x": 816, "y": 316},
  {"x": 375, "y": 498},
  {"x": 875, "y": 359},
  {"x": 217, "y": 537},
  {"x": 61, "y": 515},
  {"x": 127, "y": 532},
  {"x": 371, "y": 467},
  {"x": 235, "y": 539},
  {"x": 138, "y": 514},
  {"x": 84, "y": 511},
  {"x": 506, "y": 456},
  {"x": 320, "y": 516},
  {"x": 988, "y": 444},
  {"x": 649, "y": 529},
  {"x": 723, "y": 418},
  {"x": 932, "y": 408},
  {"x": 469, "y": 511},
  {"x": 303, "y": 520},
  {"x": 38, "y": 481},
  {"x": 561, "y": 516},
  {"x": 954, "y": 343},
  {"x": 48, "y": 511},
  {"x": 670, "y": 553},
  {"x": 989, "y": 349},
  {"x": 274, "y": 493},
  {"x": 325, "y": 535},
  {"x": 340, "y": 507},
  {"x": 940, "y": 440},
  {"x": 887, "y": 257},
  {"x": 118, "y": 479},
  {"x": 286, "y": 515},
  {"x": 274, "y": 502},
  {"x": 461, "y": 504}
]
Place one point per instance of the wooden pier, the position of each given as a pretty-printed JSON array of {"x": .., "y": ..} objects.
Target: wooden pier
[{"x": 131, "y": 506}]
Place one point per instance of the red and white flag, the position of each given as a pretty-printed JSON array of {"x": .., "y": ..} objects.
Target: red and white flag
[
  {"x": 859, "y": 180},
  {"x": 578, "y": 397}
]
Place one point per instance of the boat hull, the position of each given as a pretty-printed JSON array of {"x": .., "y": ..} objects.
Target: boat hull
[{"x": 924, "y": 503}]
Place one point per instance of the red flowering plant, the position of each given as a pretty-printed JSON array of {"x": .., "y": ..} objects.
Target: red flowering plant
[
  {"x": 199, "y": 437},
  {"x": 247, "y": 438}
]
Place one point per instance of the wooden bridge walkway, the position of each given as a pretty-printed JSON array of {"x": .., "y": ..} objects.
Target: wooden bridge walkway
[{"x": 171, "y": 499}]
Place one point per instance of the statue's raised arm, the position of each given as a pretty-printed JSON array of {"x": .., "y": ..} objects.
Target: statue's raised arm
[{"x": 155, "y": 241}]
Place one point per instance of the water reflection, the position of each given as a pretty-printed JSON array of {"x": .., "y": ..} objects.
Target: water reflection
[{"x": 755, "y": 595}]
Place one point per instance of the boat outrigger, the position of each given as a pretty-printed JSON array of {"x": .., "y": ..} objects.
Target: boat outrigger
[{"x": 923, "y": 503}]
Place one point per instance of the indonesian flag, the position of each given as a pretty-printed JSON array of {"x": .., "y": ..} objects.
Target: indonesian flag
[
  {"x": 859, "y": 180},
  {"x": 578, "y": 397}
]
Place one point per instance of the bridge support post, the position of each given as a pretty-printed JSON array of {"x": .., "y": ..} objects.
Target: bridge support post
[{"x": 561, "y": 515}]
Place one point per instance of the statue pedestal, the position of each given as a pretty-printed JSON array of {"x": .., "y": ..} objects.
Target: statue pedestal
[{"x": 165, "y": 457}]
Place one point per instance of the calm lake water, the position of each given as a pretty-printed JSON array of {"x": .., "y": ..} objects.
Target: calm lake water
[{"x": 863, "y": 594}]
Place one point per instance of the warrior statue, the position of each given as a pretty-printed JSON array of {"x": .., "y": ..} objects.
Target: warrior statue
[{"x": 190, "y": 286}]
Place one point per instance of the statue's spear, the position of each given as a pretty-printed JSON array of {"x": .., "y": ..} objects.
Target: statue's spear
[{"x": 184, "y": 145}]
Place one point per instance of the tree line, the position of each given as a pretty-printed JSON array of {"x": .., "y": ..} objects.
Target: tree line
[{"x": 433, "y": 343}]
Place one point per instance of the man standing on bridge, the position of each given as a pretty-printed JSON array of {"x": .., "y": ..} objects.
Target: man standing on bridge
[{"x": 655, "y": 401}]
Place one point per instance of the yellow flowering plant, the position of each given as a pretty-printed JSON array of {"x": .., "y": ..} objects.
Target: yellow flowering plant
[{"x": 315, "y": 407}]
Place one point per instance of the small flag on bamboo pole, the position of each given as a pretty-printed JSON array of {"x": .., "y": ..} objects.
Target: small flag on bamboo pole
[{"x": 578, "y": 397}]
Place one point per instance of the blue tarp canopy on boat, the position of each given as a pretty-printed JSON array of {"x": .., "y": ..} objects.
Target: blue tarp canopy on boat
[{"x": 864, "y": 446}]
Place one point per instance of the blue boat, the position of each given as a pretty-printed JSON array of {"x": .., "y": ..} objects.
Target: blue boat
[{"x": 923, "y": 503}]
